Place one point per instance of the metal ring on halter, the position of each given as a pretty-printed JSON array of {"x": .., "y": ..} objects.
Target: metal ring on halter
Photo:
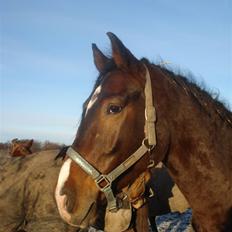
[{"x": 146, "y": 144}]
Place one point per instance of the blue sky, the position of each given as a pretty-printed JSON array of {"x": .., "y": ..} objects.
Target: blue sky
[{"x": 46, "y": 65}]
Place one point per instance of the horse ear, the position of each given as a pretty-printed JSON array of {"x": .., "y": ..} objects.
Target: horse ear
[
  {"x": 29, "y": 143},
  {"x": 14, "y": 140},
  {"x": 121, "y": 55},
  {"x": 100, "y": 60}
]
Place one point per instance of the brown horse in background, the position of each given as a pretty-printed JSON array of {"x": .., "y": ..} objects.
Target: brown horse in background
[
  {"x": 26, "y": 194},
  {"x": 194, "y": 134},
  {"x": 20, "y": 147}
]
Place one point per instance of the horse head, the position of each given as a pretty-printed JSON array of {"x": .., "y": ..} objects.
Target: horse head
[
  {"x": 112, "y": 128},
  {"x": 21, "y": 148}
]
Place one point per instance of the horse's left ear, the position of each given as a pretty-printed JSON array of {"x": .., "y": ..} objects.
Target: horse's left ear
[
  {"x": 100, "y": 60},
  {"x": 121, "y": 55}
]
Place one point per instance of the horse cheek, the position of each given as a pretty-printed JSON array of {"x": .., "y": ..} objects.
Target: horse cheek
[{"x": 111, "y": 132}]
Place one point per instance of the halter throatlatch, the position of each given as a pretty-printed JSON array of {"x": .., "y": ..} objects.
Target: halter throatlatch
[{"x": 104, "y": 182}]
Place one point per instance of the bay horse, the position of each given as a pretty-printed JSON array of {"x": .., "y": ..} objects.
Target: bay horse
[
  {"x": 20, "y": 148},
  {"x": 183, "y": 126}
]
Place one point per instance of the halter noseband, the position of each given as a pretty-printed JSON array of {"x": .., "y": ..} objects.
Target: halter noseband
[{"x": 104, "y": 182}]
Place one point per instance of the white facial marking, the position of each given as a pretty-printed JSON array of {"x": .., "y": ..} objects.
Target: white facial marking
[
  {"x": 61, "y": 199},
  {"x": 93, "y": 98},
  {"x": 64, "y": 174}
]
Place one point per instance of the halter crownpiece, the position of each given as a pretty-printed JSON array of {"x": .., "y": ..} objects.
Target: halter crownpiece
[
  {"x": 150, "y": 114},
  {"x": 104, "y": 182}
]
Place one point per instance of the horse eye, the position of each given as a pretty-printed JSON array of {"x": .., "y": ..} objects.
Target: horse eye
[{"x": 114, "y": 109}]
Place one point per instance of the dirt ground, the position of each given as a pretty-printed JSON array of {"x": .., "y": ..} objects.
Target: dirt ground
[{"x": 27, "y": 195}]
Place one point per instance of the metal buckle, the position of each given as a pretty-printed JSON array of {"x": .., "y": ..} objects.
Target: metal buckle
[{"x": 103, "y": 179}]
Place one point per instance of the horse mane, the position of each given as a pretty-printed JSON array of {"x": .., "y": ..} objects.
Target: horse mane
[{"x": 204, "y": 98}]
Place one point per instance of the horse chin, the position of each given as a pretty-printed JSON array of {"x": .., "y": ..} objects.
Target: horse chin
[{"x": 89, "y": 218}]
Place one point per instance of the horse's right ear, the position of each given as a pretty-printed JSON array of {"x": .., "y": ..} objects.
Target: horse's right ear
[
  {"x": 29, "y": 143},
  {"x": 100, "y": 60}
]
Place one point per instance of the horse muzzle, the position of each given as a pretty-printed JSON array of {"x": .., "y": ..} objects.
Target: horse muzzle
[{"x": 75, "y": 217}]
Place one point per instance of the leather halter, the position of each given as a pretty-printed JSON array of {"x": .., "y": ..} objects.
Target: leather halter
[{"x": 104, "y": 181}]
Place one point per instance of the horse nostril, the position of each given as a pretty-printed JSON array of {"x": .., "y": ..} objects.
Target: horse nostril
[{"x": 70, "y": 198}]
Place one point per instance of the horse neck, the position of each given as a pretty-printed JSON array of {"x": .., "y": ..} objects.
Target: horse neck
[
  {"x": 141, "y": 224},
  {"x": 199, "y": 158}
]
